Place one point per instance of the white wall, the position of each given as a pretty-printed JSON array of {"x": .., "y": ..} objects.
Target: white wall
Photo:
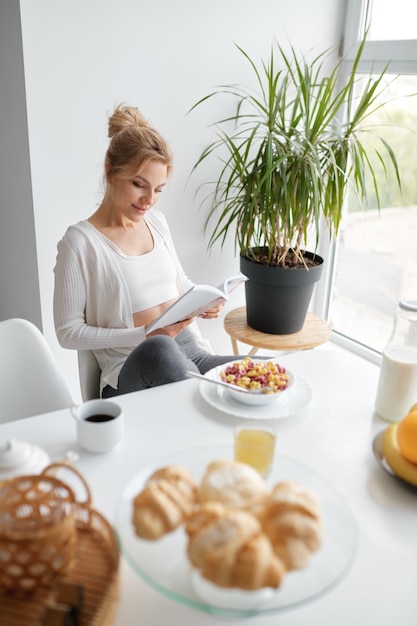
[
  {"x": 19, "y": 286},
  {"x": 81, "y": 57}
]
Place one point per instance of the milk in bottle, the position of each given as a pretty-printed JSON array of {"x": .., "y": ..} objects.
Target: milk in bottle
[{"x": 397, "y": 386}]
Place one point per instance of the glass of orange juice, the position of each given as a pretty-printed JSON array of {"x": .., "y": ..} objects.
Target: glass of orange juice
[{"x": 255, "y": 445}]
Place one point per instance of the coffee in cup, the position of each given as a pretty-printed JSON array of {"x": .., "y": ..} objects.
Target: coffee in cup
[{"x": 100, "y": 425}]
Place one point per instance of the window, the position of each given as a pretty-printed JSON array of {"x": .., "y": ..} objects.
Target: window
[
  {"x": 392, "y": 21},
  {"x": 375, "y": 257}
]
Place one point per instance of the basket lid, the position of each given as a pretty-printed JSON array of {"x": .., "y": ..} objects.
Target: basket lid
[{"x": 20, "y": 457}]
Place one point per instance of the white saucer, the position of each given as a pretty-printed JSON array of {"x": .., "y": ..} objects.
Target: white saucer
[{"x": 294, "y": 399}]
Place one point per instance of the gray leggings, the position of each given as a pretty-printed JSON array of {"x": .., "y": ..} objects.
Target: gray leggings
[{"x": 160, "y": 360}]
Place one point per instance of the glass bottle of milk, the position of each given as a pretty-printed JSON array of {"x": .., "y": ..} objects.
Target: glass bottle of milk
[{"x": 397, "y": 386}]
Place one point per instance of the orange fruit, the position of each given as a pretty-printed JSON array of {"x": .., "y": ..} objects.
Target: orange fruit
[{"x": 407, "y": 436}]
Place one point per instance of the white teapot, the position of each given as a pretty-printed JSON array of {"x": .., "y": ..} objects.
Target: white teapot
[{"x": 18, "y": 458}]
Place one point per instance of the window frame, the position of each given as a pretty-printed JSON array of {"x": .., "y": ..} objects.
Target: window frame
[{"x": 401, "y": 57}]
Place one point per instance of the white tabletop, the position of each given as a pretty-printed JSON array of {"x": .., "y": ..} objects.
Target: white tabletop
[{"x": 333, "y": 437}]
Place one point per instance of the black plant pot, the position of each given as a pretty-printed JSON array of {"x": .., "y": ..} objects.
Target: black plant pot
[{"x": 277, "y": 299}]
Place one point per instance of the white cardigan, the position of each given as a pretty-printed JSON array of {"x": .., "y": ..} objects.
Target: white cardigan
[{"x": 92, "y": 308}]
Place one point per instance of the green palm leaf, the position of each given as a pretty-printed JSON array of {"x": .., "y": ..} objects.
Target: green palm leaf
[{"x": 288, "y": 153}]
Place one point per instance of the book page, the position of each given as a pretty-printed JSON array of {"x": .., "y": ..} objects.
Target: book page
[{"x": 195, "y": 301}]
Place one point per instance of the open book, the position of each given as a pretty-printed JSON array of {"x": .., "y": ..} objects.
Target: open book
[{"x": 195, "y": 301}]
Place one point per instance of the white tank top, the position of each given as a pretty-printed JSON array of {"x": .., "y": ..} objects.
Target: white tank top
[{"x": 151, "y": 278}]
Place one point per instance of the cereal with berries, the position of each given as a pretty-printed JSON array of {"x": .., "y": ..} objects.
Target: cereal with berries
[{"x": 251, "y": 375}]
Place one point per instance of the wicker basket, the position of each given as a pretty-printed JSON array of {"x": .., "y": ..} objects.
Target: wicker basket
[
  {"x": 95, "y": 566},
  {"x": 37, "y": 532}
]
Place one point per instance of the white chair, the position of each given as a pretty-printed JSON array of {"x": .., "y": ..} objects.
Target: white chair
[
  {"x": 30, "y": 380},
  {"x": 89, "y": 375}
]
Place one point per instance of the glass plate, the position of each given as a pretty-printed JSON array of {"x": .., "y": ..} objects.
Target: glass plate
[
  {"x": 379, "y": 455},
  {"x": 295, "y": 399},
  {"x": 164, "y": 566}
]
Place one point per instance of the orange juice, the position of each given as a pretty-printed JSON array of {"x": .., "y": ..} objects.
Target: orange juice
[{"x": 255, "y": 446}]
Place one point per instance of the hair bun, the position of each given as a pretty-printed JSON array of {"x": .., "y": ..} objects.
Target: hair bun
[{"x": 126, "y": 117}]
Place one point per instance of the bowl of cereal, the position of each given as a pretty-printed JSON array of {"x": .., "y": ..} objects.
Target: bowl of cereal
[{"x": 265, "y": 380}]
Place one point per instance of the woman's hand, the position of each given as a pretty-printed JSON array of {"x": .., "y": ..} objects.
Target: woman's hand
[
  {"x": 213, "y": 313},
  {"x": 173, "y": 329}
]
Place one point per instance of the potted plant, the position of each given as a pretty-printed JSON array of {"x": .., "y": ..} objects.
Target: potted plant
[{"x": 288, "y": 152}]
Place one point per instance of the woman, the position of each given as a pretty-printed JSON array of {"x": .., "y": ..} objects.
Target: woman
[{"x": 118, "y": 270}]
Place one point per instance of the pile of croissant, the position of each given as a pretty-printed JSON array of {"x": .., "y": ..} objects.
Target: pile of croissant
[{"x": 240, "y": 533}]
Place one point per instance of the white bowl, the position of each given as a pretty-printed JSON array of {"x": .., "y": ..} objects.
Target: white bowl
[{"x": 257, "y": 397}]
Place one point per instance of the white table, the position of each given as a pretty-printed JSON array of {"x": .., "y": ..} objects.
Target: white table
[{"x": 333, "y": 436}]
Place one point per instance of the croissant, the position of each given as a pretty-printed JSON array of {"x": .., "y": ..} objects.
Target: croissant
[
  {"x": 236, "y": 485},
  {"x": 230, "y": 549},
  {"x": 164, "y": 503},
  {"x": 292, "y": 521}
]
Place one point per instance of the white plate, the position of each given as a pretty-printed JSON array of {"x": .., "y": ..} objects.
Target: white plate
[
  {"x": 293, "y": 400},
  {"x": 163, "y": 564},
  {"x": 379, "y": 455}
]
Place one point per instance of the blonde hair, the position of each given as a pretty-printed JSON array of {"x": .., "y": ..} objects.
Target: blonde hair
[{"x": 133, "y": 142}]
